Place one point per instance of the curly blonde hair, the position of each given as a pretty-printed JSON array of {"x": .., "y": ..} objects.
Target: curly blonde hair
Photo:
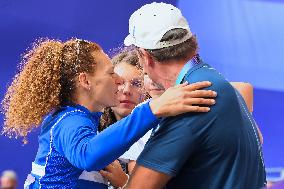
[{"x": 46, "y": 81}]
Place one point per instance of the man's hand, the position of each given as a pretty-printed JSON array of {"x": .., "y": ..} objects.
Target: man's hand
[{"x": 183, "y": 98}]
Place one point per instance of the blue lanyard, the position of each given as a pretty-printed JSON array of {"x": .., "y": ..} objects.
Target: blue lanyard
[{"x": 190, "y": 64}]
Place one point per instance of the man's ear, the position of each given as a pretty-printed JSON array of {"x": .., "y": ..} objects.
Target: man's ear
[
  {"x": 84, "y": 81},
  {"x": 149, "y": 60}
]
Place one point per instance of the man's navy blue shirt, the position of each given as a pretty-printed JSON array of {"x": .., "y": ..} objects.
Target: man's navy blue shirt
[{"x": 218, "y": 150}]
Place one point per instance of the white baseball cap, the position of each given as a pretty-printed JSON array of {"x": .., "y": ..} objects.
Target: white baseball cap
[{"x": 148, "y": 25}]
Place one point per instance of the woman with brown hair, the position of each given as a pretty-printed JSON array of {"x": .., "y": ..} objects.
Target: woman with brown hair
[
  {"x": 63, "y": 87},
  {"x": 130, "y": 94}
]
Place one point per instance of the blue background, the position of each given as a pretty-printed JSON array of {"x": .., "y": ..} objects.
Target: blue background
[{"x": 243, "y": 39}]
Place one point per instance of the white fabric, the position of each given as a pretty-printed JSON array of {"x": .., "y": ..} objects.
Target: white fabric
[
  {"x": 148, "y": 24},
  {"x": 136, "y": 149},
  {"x": 30, "y": 179},
  {"x": 38, "y": 169},
  {"x": 93, "y": 176}
]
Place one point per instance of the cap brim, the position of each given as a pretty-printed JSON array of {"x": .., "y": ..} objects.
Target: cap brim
[{"x": 129, "y": 40}]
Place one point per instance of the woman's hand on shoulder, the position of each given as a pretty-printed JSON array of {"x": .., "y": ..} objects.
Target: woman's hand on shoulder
[{"x": 184, "y": 98}]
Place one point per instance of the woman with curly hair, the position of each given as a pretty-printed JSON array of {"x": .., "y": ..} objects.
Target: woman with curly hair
[{"x": 63, "y": 87}]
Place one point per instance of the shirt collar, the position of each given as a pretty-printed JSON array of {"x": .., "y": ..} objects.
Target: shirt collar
[
  {"x": 95, "y": 115},
  {"x": 190, "y": 64}
]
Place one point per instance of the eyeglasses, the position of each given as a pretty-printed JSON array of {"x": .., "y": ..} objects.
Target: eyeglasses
[{"x": 134, "y": 84}]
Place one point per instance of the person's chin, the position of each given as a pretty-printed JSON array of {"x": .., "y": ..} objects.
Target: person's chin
[
  {"x": 126, "y": 110},
  {"x": 126, "y": 113},
  {"x": 113, "y": 104}
]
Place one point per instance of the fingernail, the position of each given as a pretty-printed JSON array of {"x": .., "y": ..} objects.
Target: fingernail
[
  {"x": 213, "y": 101},
  {"x": 214, "y": 93},
  {"x": 208, "y": 109}
]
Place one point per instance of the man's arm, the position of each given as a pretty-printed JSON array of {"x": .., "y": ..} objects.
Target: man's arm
[
  {"x": 143, "y": 177},
  {"x": 131, "y": 165},
  {"x": 166, "y": 152}
]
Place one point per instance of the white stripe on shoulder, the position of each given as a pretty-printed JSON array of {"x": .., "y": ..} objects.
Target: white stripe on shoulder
[{"x": 38, "y": 169}]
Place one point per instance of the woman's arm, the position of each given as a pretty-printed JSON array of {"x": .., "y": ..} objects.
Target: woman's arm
[
  {"x": 246, "y": 90},
  {"x": 90, "y": 151}
]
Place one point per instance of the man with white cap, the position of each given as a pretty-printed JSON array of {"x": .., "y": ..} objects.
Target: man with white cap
[{"x": 219, "y": 149}]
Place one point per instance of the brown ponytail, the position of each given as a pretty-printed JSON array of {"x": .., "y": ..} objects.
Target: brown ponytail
[
  {"x": 46, "y": 80},
  {"x": 35, "y": 90}
]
